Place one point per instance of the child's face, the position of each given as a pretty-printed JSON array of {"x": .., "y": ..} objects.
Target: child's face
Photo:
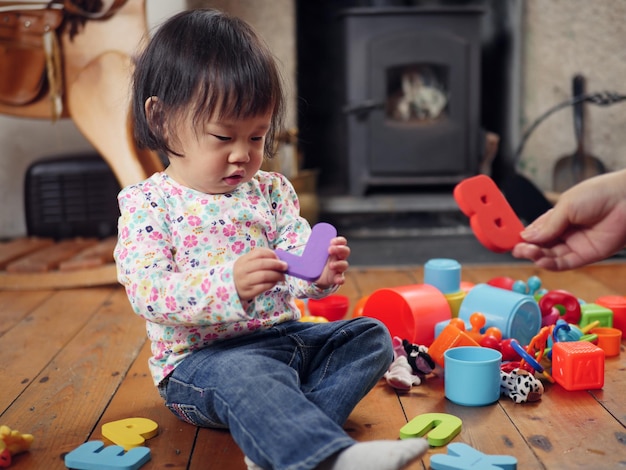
[{"x": 221, "y": 155}]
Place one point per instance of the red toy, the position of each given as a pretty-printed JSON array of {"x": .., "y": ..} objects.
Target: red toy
[{"x": 492, "y": 219}]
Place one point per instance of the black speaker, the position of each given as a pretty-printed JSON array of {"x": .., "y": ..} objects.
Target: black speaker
[{"x": 71, "y": 196}]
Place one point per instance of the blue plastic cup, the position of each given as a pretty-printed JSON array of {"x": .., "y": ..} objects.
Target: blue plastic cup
[
  {"x": 515, "y": 315},
  {"x": 472, "y": 375},
  {"x": 444, "y": 274}
]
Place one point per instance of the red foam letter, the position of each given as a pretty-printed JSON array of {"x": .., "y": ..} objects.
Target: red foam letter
[{"x": 492, "y": 219}]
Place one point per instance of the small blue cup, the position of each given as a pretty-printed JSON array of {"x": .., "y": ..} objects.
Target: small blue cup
[
  {"x": 444, "y": 274},
  {"x": 472, "y": 375}
]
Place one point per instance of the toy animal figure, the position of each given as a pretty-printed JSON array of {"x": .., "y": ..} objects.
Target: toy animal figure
[
  {"x": 410, "y": 366},
  {"x": 418, "y": 358},
  {"x": 520, "y": 386},
  {"x": 400, "y": 375},
  {"x": 12, "y": 442}
]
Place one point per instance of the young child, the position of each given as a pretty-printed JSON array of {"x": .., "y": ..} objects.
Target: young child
[
  {"x": 196, "y": 256},
  {"x": 587, "y": 224}
]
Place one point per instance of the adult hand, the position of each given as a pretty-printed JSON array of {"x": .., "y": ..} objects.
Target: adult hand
[{"x": 587, "y": 224}]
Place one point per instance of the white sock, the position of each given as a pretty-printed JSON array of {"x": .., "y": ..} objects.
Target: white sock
[
  {"x": 251, "y": 465},
  {"x": 377, "y": 455}
]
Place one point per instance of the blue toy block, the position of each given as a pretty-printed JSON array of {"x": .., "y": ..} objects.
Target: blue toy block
[
  {"x": 93, "y": 455},
  {"x": 311, "y": 264},
  {"x": 464, "y": 457}
]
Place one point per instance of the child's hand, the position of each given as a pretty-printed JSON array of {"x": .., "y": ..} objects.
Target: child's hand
[
  {"x": 257, "y": 271},
  {"x": 336, "y": 265}
]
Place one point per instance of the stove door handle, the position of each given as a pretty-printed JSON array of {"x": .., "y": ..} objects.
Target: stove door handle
[{"x": 363, "y": 109}]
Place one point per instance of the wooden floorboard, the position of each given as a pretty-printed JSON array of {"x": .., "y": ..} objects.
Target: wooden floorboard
[
  {"x": 94, "y": 338},
  {"x": 15, "y": 306},
  {"x": 74, "y": 359},
  {"x": 41, "y": 336},
  {"x": 137, "y": 397}
]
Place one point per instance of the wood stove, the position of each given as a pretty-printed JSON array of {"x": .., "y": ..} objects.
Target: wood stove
[{"x": 411, "y": 96}]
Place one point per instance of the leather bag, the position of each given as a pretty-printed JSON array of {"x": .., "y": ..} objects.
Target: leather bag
[{"x": 31, "y": 56}]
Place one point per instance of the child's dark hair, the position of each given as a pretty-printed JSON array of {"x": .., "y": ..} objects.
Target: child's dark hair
[{"x": 209, "y": 64}]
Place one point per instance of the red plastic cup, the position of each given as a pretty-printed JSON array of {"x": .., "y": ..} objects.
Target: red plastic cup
[{"x": 409, "y": 312}]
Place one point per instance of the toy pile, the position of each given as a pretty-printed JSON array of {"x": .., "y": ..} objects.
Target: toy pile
[{"x": 542, "y": 335}]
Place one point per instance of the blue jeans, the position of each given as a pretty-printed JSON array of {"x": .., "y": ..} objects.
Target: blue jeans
[{"x": 284, "y": 392}]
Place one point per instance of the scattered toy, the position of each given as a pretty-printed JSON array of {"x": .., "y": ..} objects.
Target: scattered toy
[
  {"x": 12, "y": 442},
  {"x": 411, "y": 365},
  {"x": 461, "y": 456},
  {"x": 520, "y": 386},
  {"x": 400, "y": 375},
  {"x": 131, "y": 432},
  {"x": 93, "y": 455},
  {"x": 440, "y": 427},
  {"x": 418, "y": 358},
  {"x": 492, "y": 218}
]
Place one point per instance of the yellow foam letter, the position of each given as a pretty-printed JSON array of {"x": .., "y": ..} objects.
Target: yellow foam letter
[{"x": 131, "y": 432}]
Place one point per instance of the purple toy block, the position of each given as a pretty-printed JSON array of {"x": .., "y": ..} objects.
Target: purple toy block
[{"x": 310, "y": 265}]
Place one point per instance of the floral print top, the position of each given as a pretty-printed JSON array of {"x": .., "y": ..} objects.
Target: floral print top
[{"x": 175, "y": 254}]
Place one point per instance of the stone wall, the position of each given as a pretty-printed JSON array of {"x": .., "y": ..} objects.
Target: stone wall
[
  {"x": 274, "y": 21},
  {"x": 562, "y": 38}
]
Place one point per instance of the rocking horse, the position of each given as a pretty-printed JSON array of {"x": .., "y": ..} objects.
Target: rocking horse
[{"x": 95, "y": 69}]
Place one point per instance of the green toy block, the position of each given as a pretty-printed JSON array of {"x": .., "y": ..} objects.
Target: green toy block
[
  {"x": 440, "y": 427},
  {"x": 593, "y": 312}
]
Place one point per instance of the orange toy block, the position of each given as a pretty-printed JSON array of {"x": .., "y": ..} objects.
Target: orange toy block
[
  {"x": 578, "y": 365},
  {"x": 450, "y": 337}
]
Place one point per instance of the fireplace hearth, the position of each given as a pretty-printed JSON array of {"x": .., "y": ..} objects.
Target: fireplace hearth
[
  {"x": 410, "y": 100},
  {"x": 396, "y": 206}
]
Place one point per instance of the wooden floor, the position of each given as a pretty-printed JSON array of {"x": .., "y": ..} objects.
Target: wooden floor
[{"x": 74, "y": 359}]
